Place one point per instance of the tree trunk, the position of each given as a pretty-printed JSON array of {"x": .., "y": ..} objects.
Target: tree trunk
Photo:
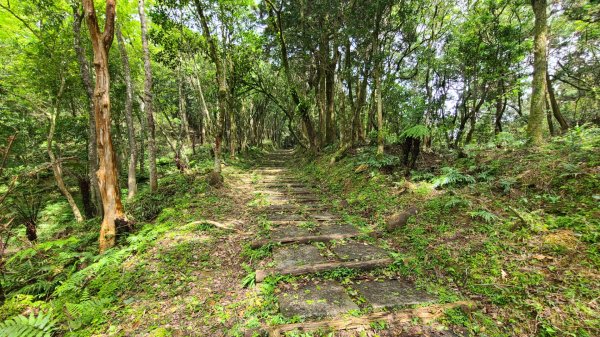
[
  {"x": 564, "y": 126},
  {"x": 85, "y": 190},
  {"x": 84, "y": 72},
  {"x": 107, "y": 170},
  {"x": 148, "y": 99},
  {"x": 330, "y": 90},
  {"x": 143, "y": 135},
  {"x": 182, "y": 104},
  {"x": 549, "y": 119},
  {"x": 538, "y": 84},
  {"x": 500, "y": 106},
  {"x": 131, "y": 179},
  {"x": 222, "y": 94},
  {"x": 380, "y": 138},
  {"x": 361, "y": 97},
  {"x": 56, "y": 167}
]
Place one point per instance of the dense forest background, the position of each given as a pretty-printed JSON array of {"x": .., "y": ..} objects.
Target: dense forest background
[{"x": 103, "y": 101}]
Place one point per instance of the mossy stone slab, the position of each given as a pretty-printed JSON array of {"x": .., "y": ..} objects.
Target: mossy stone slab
[
  {"x": 388, "y": 294},
  {"x": 338, "y": 229},
  {"x": 296, "y": 256},
  {"x": 357, "y": 251},
  {"x": 283, "y": 232},
  {"x": 327, "y": 299}
]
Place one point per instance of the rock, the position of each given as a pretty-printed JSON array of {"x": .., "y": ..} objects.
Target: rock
[
  {"x": 215, "y": 179},
  {"x": 399, "y": 220},
  {"x": 361, "y": 168}
]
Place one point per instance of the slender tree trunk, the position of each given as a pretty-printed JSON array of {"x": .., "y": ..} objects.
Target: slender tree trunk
[
  {"x": 564, "y": 126},
  {"x": 380, "y": 138},
  {"x": 330, "y": 91},
  {"x": 321, "y": 90},
  {"x": 222, "y": 94},
  {"x": 143, "y": 135},
  {"x": 361, "y": 97},
  {"x": 56, "y": 167},
  {"x": 107, "y": 170},
  {"x": 84, "y": 72},
  {"x": 538, "y": 84},
  {"x": 500, "y": 107},
  {"x": 549, "y": 119},
  {"x": 131, "y": 179},
  {"x": 148, "y": 99},
  {"x": 182, "y": 103}
]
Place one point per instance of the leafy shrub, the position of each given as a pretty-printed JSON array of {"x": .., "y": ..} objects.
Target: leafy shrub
[
  {"x": 40, "y": 269},
  {"x": 373, "y": 160},
  {"x": 87, "y": 311},
  {"x": 147, "y": 206},
  {"x": 17, "y": 304}
]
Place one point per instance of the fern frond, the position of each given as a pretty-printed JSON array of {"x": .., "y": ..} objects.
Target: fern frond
[{"x": 41, "y": 325}]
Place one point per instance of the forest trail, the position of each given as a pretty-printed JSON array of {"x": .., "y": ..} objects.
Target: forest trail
[{"x": 310, "y": 239}]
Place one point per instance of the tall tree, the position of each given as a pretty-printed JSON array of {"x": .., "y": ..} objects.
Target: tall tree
[
  {"x": 107, "y": 168},
  {"x": 84, "y": 72},
  {"x": 148, "y": 99},
  {"x": 131, "y": 179},
  {"x": 538, "y": 84},
  {"x": 222, "y": 95}
]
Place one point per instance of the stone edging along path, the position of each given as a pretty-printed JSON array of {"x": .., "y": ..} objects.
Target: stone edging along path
[{"x": 299, "y": 218}]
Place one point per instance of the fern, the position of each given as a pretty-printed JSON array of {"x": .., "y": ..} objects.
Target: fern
[
  {"x": 41, "y": 325},
  {"x": 418, "y": 131},
  {"x": 88, "y": 310},
  {"x": 249, "y": 280},
  {"x": 452, "y": 176},
  {"x": 455, "y": 202},
  {"x": 484, "y": 215}
]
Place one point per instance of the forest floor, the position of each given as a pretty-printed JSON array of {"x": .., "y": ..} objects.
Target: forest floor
[{"x": 514, "y": 230}]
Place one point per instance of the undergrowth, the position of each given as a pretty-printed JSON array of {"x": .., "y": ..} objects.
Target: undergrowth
[
  {"x": 66, "y": 287},
  {"x": 514, "y": 228}
]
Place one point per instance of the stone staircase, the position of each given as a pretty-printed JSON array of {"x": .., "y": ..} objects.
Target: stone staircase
[{"x": 299, "y": 218}]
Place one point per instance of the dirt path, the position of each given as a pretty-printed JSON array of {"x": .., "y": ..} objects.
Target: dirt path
[{"x": 310, "y": 239}]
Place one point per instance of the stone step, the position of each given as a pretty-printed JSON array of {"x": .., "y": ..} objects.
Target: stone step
[
  {"x": 321, "y": 233},
  {"x": 306, "y": 259},
  {"x": 291, "y": 208},
  {"x": 318, "y": 299}
]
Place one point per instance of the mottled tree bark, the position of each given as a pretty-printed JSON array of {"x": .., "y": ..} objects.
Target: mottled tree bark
[
  {"x": 84, "y": 72},
  {"x": 131, "y": 179},
  {"x": 148, "y": 99},
  {"x": 538, "y": 84},
  {"x": 107, "y": 169},
  {"x": 380, "y": 137}
]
